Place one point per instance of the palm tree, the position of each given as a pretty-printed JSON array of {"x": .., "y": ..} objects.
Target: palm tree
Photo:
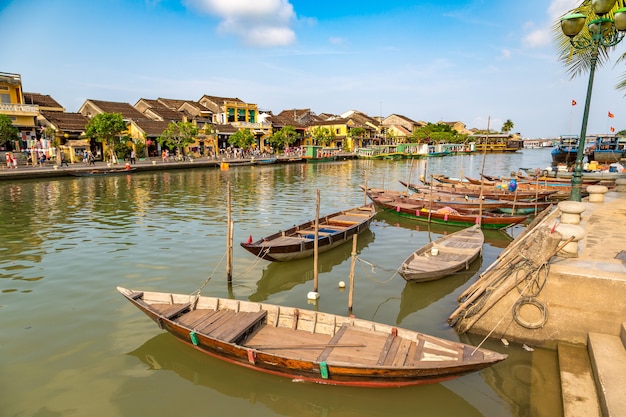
[{"x": 579, "y": 61}]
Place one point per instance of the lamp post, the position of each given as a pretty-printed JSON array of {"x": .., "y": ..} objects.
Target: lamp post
[{"x": 602, "y": 32}]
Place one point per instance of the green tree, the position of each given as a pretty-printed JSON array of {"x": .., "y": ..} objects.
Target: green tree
[
  {"x": 283, "y": 137},
  {"x": 507, "y": 126},
  {"x": 440, "y": 132},
  {"x": 322, "y": 135},
  {"x": 104, "y": 128},
  {"x": 243, "y": 139},
  {"x": 578, "y": 61},
  {"x": 177, "y": 135},
  {"x": 8, "y": 132}
]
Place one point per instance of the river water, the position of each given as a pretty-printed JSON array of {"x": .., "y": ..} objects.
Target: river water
[{"x": 70, "y": 345}]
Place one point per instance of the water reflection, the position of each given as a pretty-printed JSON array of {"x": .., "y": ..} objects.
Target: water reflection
[
  {"x": 280, "y": 395},
  {"x": 283, "y": 276},
  {"x": 417, "y": 296}
]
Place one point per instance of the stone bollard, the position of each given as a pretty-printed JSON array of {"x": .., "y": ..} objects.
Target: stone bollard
[
  {"x": 596, "y": 193},
  {"x": 570, "y": 231},
  {"x": 570, "y": 211},
  {"x": 621, "y": 185}
]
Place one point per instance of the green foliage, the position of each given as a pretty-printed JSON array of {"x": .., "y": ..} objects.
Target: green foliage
[
  {"x": 322, "y": 135},
  {"x": 177, "y": 135},
  {"x": 578, "y": 61},
  {"x": 284, "y": 137},
  {"x": 243, "y": 138},
  {"x": 439, "y": 132},
  {"x": 8, "y": 132},
  {"x": 105, "y": 127},
  {"x": 507, "y": 126},
  {"x": 140, "y": 148},
  {"x": 621, "y": 133},
  {"x": 122, "y": 147}
]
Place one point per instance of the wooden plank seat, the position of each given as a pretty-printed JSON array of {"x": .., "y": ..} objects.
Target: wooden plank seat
[
  {"x": 175, "y": 310},
  {"x": 333, "y": 341},
  {"x": 238, "y": 326}
]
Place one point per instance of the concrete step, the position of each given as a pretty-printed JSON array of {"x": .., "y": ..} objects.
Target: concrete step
[
  {"x": 578, "y": 388},
  {"x": 608, "y": 361}
]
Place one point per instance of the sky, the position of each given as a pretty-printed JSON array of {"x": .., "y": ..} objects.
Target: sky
[{"x": 480, "y": 62}]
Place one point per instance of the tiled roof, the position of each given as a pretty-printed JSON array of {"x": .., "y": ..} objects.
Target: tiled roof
[
  {"x": 221, "y": 100},
  {"x": 41, "y": 100},
  {"x": 65, "y": 121},
  {"x": 125, "y": 109},
  {"x": 165, "y": 113},
  {"x": 151, "y": 127}
]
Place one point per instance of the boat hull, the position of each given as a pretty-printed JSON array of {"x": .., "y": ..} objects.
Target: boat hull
[
  {"x": 299, "y": 242},
  {"x": 306, "y": 345}
]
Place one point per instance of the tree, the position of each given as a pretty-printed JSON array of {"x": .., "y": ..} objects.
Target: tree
[
  {"x": 178, "y": 135},
  {"x": 283, "y": 137},
  {"x": 322, "y": 135},
  {"x": 8, "y": 132},
  {"x": 507, "y": 126},
  {"x": 440, "y": 132},
  {"x": 579, "y": 61},
  {"x": 104, "y": 128},
  {"x": 243, "y": 138}
]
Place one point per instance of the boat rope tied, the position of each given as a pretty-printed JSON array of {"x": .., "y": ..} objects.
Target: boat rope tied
[
  {"x": 324, "y": 370},
  {"x": 194, "y": 337}
]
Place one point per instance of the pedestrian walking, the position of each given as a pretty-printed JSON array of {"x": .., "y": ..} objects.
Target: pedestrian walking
[{"x": 133, "y": 158}]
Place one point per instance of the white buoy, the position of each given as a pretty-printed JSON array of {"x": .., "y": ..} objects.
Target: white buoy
[
  {"x": 312, "y": 295},
  {"x": 342, "y": 284}
]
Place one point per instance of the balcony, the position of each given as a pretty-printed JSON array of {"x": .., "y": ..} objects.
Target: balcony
[{"x": 31, "y": 110}]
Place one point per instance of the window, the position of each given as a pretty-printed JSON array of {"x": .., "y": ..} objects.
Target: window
[
  {"x": 5, "y": 98},
  {"x": 251, "y": 116},
  {"x": 241, "y": 115}
]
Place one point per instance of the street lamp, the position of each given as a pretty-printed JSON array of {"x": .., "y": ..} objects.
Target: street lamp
[{"x": 602, "y": 32}]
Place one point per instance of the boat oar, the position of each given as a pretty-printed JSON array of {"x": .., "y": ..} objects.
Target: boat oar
[{"x": 306, "y": 346}]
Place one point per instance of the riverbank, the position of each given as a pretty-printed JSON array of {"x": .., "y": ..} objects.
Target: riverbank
[{"x": 50, "y": 170}]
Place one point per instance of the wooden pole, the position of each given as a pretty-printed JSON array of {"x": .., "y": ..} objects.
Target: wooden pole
[
  {"x": 352, "y": 264},
  {"x": 229, "y": 240},
  {"x": 365, "y": 192},
  {"x": 315, "y": 243},
  {"x": 482, "y": 172}
]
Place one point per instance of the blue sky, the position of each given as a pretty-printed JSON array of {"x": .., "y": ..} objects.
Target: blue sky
[{"x": 466, "y": 60}]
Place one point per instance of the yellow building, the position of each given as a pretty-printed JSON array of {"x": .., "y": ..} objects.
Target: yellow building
[{"x": 22, "y": 115}]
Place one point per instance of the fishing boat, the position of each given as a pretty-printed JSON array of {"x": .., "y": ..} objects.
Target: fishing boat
[
  {"x": 565, "y": 150},
  {"x": 404, "y": 206},
  {"x": 307, "y": 345},
  {"x": 444, "y": 256},
  {"x": 466, "y": 204},
  {"x": 298, "y": 242},
  {"x": 493, "y": 193},
  {"x": 607, "y": 150},
  {"x": 97, "y": 172}
]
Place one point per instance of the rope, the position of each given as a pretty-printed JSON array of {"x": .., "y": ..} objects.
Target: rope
[{"x": 373, "y": 267}]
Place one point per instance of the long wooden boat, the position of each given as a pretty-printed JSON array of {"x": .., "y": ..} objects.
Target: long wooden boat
[
  {"x": 465, "y": 203},
  {"x": 97, "y": 172},
  {"x": 298, "y": 241},
  {"x": 404, "y": 206},
  {"x": 445, "y": 256},
  {"x": 476, "y": 191},
  {"x": 307, "y": 345}
]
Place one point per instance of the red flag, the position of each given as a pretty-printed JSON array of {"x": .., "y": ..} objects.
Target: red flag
[
  {"x": 573, "y": 102},
  {"x": 612, "y": 129},
  {"x": 611, "y": 115}
]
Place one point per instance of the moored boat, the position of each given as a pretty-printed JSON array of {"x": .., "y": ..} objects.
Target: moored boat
[
  {"x": 444, "y": 256},
  {"x": 96, "y": 172},
  {"x": 307, "y": 345},
  {"x": 299, "y": 241},
  {"x": 402, "y": 205}
]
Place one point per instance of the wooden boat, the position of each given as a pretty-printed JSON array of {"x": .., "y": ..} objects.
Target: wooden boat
[
  {"x": 298, "y": 241},
  {"x": 566, "y": 150},
  {"x": 444, "y": 256},
  {"x": 404, "y": 206},
  {"x": 476, "y": 191},
  {"x": 307, "y": 345},
  {"x": 265, "y": 161},
  {"x": 96, "y": 172}
]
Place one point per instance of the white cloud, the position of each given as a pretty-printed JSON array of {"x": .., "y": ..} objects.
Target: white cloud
[
  {"x": 538, "y": 37},
  {"x": 257, "y": 22}
]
